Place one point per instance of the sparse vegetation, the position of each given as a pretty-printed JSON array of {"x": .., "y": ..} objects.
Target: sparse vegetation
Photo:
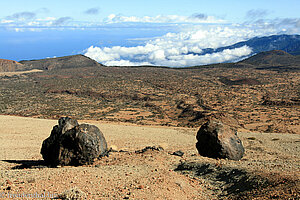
[{"x": 161, "y": 96}]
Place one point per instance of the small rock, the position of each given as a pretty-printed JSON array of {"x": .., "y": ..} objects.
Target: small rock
[
  {"x": 113, "y": 148},
  {"x": 153, "y": 148},
  {"x": 73, "y": 193},
  {"x": 181, "y": 183},
  {"x": 140, "y": 187},
  {"x": 178, "y": 153}
]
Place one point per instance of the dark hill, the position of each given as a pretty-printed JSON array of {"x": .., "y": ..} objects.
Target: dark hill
[
  {"x": 10, "y": 66},
  {"x": 276, "y": 59},
  {"x": 75, "y": 61}
]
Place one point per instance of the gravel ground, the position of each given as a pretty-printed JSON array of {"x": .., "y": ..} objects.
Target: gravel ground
[{"x": 269, "y": 168}]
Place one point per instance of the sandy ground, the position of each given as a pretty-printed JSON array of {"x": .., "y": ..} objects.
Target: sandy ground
[{"x": 271, "y": 161}]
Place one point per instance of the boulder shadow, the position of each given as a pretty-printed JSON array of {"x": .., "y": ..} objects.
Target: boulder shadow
[
  {"x": 229, "y": 181},
  {"x": 27, "y": 164}
]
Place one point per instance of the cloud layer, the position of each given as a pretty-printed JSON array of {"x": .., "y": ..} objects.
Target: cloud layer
[
  {"x": 30, "y": 20},
  {"x": 184, "y": 48},
  {"x": 256, "y": 14},
  {"x": 196, "y": 18},
  {"x": 22, "y": 16}
]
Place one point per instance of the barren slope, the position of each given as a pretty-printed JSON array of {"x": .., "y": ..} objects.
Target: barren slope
[
  {"x": 74, "y": 61},
  {"x": 10, "y": 65},
  {"x": 269, "y": 169}
]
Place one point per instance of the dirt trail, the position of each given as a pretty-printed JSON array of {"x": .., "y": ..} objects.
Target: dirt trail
[{"x": 271, "y": 162}]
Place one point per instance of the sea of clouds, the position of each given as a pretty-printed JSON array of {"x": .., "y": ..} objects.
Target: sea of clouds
[
  {"x": 184, "y": 47},
  {"x": 181, "y": 49}
]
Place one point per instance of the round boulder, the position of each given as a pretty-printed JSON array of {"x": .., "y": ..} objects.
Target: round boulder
[
  {"x": 73, "y": 144},
  {"x": 218, "y": 140}
]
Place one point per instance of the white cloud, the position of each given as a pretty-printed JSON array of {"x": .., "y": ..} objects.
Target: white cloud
[
  {"x": 256, "y": 14},
  {"x": 184, "y": 48},
  {"x": 46, "y": 19},
  {"x": 179, "y": 49},
  {"x": 61, "y": 21},
  {"x": 197, "y": 18},
  {"x": 22, "y": 16},
  {"x": 126, "y": 63},
  {"x": 6, "y": 21},
  {"x": 31, "y": 21}
]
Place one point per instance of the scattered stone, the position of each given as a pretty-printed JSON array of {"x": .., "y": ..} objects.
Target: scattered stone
[
  {"x": 123, "y": 151},
  {"x": 218, "y": 140},
  {"x": 31, "y": 180},
  {"x": 178, "y": 153},
  {"x": 73, "y": 193},
  {"x": 140, "y": 187},
  {"x": 113, "y": 148},
  {"x": 164, "y": 145},
  {"x": 153, "y": 148},
  {"x": 181, "y": 183},
  {"x": 73, "y": 144}
]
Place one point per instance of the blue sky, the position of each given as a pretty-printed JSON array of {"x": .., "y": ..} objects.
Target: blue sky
[
  {"x": 135, "y": 32},
  {"x": 233, "y": 10}
]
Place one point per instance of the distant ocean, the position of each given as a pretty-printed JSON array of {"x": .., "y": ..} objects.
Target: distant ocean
[{"x": 43, "y": 43}]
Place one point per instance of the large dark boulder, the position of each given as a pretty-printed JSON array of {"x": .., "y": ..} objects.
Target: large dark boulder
[
  {"x": 73, "y": 144},
  {"x": 218, "y": 140}
]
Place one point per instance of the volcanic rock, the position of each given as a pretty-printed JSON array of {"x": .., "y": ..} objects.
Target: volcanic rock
[
  {"x": 218, "y": 140},
  {"x": 178, "y": 153},
  {"x": 10, "y": 65},
  {"x": 73, "y": 144}
]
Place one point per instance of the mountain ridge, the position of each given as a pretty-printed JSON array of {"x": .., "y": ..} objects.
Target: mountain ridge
[
  {"x": 279, "y": 43},
  {"x": 287, "y": 43},
  {"x": 73, "y": 61}
]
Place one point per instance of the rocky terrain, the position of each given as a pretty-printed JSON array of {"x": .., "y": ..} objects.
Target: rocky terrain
[
  {"x": 10, "y": 66},
  {"x": 143, "y": 165},
  {"x": 260, "y": 100},
  {"x": 150, "y": 117}
]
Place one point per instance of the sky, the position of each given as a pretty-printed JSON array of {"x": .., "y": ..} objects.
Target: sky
[{"x": 135, "y": 32}]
